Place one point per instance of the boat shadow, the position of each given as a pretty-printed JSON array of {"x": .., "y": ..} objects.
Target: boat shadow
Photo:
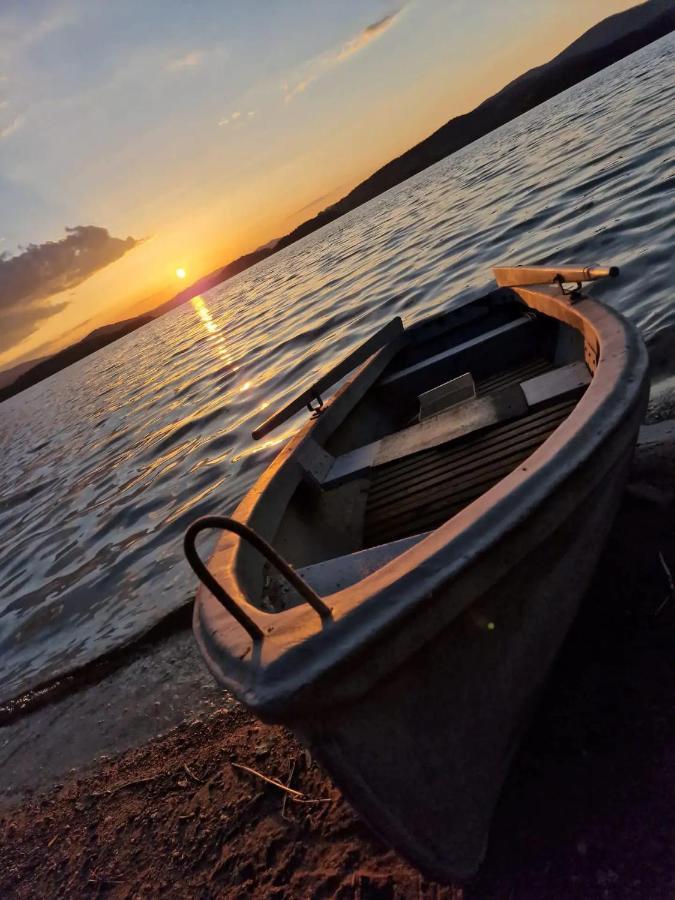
[{"x": 587, "y": 810}]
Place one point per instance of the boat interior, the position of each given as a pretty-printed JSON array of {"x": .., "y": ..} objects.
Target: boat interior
[{"x": 466, "y": 399}]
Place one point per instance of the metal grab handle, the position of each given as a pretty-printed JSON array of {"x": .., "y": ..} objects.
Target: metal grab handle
[{"x": 199, "y": 568}]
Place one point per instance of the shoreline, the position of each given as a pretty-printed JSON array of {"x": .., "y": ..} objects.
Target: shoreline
[
  {"x": 50, "y": 691},
  {"x": 586, "y": 810},
  {"x": 133, "y": 704}
]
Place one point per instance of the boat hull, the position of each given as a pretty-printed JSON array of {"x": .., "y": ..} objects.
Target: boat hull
[
  {"x": 422, "y": 756},
  {"x": 416, "y": 692}
]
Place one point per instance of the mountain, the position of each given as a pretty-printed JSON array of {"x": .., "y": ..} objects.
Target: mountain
[
  {"x": 602, "y": 45},
  {"x": 615, "y": 28},
  {"x": 7, "y": 376},
  {"x": 52, "y": 364}
]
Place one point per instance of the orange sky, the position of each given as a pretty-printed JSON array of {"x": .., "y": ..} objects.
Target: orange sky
[{"x": 207, "y": 138}]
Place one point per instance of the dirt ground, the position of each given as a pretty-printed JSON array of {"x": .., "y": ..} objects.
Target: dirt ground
[{"x": 588, "y": 810}]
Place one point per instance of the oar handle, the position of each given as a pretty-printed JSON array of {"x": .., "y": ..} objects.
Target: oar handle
[{"x": 520, "y": 276}]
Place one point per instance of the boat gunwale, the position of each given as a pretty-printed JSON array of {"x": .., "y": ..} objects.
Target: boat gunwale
[{"x": 296, "y": 652}]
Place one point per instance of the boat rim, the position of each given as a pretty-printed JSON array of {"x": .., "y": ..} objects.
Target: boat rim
[{"x": 296, "y": 650}]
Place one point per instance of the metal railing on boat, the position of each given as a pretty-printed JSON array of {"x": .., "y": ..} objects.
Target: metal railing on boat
[{"x": 224, "y": 523}]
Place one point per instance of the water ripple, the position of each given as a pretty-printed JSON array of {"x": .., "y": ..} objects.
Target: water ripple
[{"x": 103, "y": 465}]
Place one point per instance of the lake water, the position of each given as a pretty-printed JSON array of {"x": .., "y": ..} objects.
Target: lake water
[{"x": 103, "y": 466}]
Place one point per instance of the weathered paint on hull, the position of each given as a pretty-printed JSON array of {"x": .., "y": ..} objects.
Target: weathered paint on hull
[{"x": 422, "y": 756}]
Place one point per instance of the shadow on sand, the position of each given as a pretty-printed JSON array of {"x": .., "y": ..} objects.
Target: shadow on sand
[{"x": 588, "y": 807}]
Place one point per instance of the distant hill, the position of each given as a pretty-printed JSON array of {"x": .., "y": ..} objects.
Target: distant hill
[
  {"x": 52, "y": 364},
  {"x": 602, "y": 45},
  {"x": 616, "y": 27},
  {"x": 626, "y": 32},
  {"x": 7, "y": 376}
]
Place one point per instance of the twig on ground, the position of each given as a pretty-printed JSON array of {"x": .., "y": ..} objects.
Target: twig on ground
[
  {"x": 288, "y": 784},
  {"x": 296, "y": 796},
  {"x": 669, "y": 574},
  {"x": 191, "y": 775},
  {"x": 125, "y": 784},
  {"x": 273, "y": 781},
  {"x": 671, "y": 584}
]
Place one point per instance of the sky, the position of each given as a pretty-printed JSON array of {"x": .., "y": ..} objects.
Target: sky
[{"x": 139, "y": 138}]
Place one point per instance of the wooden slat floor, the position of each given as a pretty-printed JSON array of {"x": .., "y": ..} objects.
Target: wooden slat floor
[
  {"x": 421, "y": 492},
  {"x": 529, "y": 369}
]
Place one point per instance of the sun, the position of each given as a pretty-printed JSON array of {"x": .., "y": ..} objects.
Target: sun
[{"x": 180, "y": 272}]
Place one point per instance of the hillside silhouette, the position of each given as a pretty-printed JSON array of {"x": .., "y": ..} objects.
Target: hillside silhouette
[{"x": 604, "y": 44}]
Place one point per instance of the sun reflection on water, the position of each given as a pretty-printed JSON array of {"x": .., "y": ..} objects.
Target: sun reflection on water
[
  {"x": 209, "y": 323},
  {"x": 202, "y": 311},
  {"x": 214, "y": 330},
  {"x": 261, "y": 447}
]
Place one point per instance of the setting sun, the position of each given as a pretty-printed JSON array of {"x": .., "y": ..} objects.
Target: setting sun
[{"x": 180, "y": 272}]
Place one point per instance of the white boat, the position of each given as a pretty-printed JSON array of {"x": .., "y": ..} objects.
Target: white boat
[{"x": 435, "y": 525}]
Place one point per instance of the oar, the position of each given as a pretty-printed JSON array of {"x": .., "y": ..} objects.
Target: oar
[
  {"x": 380, "y": 339},
  {"x": 520, "y": 276}
]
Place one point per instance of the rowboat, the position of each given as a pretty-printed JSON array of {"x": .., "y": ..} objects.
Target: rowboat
[{"x": 397, "y": 583}]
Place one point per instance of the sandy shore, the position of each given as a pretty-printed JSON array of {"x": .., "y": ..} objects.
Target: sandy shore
[{"x": 587, "y": 810}]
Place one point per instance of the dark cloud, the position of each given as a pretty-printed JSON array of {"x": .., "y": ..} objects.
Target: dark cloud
[{"x": 40, "y": 271}]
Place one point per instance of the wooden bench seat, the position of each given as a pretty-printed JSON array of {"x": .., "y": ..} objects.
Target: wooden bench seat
[
  {"x": 333, "y": 575},
  {"x": 463, "y": 419},
  {"x": 512, "y": 338}
]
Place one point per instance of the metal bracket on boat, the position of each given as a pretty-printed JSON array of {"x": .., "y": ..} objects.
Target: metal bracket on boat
[
  {"x": 384, "y": 337},
  {"x": 571, "y": 292},
  {"x": 201, "y": 571},
  {"x": 318, "y": 409}
]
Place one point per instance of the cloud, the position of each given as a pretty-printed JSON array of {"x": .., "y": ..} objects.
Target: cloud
[
  {"x": 44, "y": 27},
  {"x": 369, "y": 33},
  {"x": 322, "y": 64},
  {"x": 236, "y": 117},
  {"x": 16, "y": 123},
  {"x": 189, "y": 61},
  {"x": 39, "y": 271}
]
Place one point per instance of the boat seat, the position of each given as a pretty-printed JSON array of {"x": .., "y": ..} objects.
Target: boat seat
[
  {"x": 446, "y": 395},
  {"x": 463, "y": 419},
  {"x": 333, "y": 575},
  {"x": 456, "y": 359}
]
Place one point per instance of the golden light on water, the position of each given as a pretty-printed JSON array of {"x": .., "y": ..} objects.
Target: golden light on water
[
  {"x": 219, "y": 344},
  {"x": 207, "y": 321},
  {"x": 202, "y": 311},
  {"x": 180, "y": 272}
]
